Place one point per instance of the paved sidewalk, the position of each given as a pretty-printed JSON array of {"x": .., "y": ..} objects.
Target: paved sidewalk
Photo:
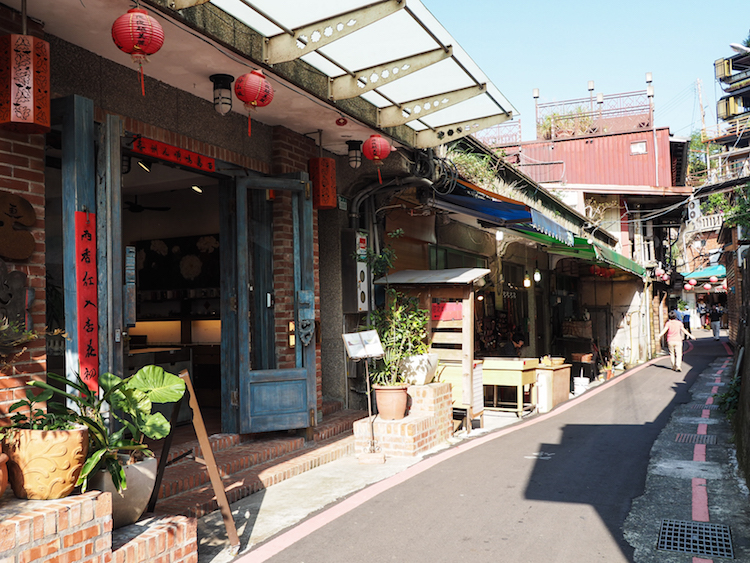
[
  {"x": 272, "y": 510},
  {"x": 695, "y": 505}
]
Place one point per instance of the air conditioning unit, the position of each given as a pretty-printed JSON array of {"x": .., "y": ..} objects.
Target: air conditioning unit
[
  {"x": 728, "y": 107},
  {"x": 694, "y": 209},
  {"x": 723, "y": 68}
]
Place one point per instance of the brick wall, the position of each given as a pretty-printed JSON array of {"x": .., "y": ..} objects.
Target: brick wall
[
  {"x": 290, "y": 154},
  {"x": 428, "y": 424},
  {"x": 79, "y": 528},
  {"x": 22, "y": 173}
]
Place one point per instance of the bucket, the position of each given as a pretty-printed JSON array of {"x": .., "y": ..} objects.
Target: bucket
[{"x": 579, "y": 385}]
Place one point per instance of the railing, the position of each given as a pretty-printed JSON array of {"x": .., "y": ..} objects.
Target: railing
[
  {"x": 735, "y": 127},
  {"x": 706, "y": 223}
]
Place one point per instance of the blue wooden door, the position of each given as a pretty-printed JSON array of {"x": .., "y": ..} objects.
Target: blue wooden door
[{"x": 270, "y": 398}]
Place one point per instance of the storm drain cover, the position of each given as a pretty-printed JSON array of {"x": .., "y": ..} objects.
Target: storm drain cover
[
  {"x": 699, "y": 538},
  {"x": 696, "y": 438},
  {"x": 700, "y": 406}
]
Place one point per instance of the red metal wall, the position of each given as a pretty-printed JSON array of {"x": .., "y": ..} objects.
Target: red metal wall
[{"x": 598, "y": 160}]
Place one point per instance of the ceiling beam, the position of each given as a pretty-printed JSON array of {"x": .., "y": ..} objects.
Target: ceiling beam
[
  {"x": 303, "y": 40},
  {"x": 350, "y": 86},
  {"x": 182, "y": 4},
  {"x": 394, "y": 115},
  {"x": 445, "y": 133}
]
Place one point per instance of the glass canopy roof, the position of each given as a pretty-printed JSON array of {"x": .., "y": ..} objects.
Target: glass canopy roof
[{"x": 402, "y": 30}]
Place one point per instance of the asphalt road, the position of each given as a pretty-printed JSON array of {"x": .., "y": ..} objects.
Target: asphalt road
[{"x": 554, "y": 488}]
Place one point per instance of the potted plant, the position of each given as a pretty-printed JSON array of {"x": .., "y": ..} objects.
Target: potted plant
[
  {"x": 118, "y": 460},
  {"x": 45, "y": 450},
  {"x": 402, "y": 328}
]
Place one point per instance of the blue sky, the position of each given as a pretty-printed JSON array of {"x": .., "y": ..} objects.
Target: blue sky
[{"x": 559, "y": 46}]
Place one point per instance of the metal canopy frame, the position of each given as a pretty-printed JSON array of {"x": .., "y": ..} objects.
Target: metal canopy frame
[{"x": 403, "y": 88}]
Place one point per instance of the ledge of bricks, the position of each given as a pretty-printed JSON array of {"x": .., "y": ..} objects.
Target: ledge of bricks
[
  {"x": 428, "y": 424},
  {"x": 79, "y": 528}
]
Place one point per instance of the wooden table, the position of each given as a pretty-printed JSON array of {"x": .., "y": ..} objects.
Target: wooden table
[
  {"x": 511, "y": 372},
  {"x": 554, "y": 385}
]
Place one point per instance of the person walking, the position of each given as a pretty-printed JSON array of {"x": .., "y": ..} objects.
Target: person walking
[
  {"x": 686, "y": 320},
  {"x": 715, "y": 317},
  {"x": 674, "y": 330}
]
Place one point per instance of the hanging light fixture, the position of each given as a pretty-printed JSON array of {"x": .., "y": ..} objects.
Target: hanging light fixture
[
  {"x": 537, "y": 273},
  {"x": 527, "y": 280},
  {"x": 222, "y": 92},
  {"x": 255, "y": 91},
  {"x": 355, "y": 153},
  {"x": 139, "y": 35}
]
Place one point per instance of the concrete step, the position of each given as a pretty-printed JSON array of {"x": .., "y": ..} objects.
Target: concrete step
[{"x": 249, "y": 466}]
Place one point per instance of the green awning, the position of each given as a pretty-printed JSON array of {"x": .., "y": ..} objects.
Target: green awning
[{"x": 582, "y": 250}]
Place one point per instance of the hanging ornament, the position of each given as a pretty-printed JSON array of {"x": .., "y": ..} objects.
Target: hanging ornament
[
  {"x": 687, "y": 287},
  {"x": 377, "y": 149},
  {"x": 713, "y": 279},
  {"x": 693, "y": 282},
  {"x": 665, "y": 278},
  {"x": 659, "y": 272},
  {"x": 254, "y": 91},
  {"x": 138, "y": 34},
  {"x": 592, "y": 269},
  {"x": 341, "y": 121},
  {"x": 707, "y": 286}
]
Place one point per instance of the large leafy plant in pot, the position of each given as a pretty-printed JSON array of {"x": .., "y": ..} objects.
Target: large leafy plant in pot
[
  {"x": 402, "y": 328},
  {"x": 113, "y": 452},
  {"x": 45, "y": 450}
]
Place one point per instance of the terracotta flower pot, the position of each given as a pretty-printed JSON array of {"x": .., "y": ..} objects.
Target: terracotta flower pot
[
  {"x": 45, "y": 464},
  {"x": 3, "y": 473},
  {"x": 391, "y": 401}
]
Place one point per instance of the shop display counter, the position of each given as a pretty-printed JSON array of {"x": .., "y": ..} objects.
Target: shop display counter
[
  {"x": 553, "y": 386},
  {"x": 511, "y": 372}
]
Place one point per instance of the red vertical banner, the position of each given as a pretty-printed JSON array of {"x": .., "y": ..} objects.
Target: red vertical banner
[{"x": 86, "y": 289}]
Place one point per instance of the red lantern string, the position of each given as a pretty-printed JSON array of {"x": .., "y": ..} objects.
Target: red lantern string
[
  {"x": 138, "y": 34},
  {"x": 255, "y": 91}
]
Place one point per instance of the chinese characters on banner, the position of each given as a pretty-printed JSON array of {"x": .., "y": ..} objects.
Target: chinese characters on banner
[
  {"x": 163, "y": 151},
  {"x": 88, "y": 311}
]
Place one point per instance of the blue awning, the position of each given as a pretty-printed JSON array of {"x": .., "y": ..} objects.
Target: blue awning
[
  {"x": 499, "y": 213},
  {"x": 719, "y": 271}
]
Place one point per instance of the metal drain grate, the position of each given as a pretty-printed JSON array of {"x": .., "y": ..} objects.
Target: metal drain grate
[
  {"x": 696, "y": 438},
  {"x": 699, "y": 538},
  {"x": 701, "y": 406}
]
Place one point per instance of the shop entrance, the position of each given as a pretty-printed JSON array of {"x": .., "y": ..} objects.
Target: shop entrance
[{"x": 184, "y": 279}]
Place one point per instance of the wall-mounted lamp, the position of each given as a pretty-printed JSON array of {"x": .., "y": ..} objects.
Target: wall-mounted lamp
[
  {"x": 480, "y": 297},
  {"x": 537, "y": 275},
  {"x": 355, "y": 153},
  {"x": 527, "y": 280},
  {"x": 499, "y": 236},
  {"x": 197, "y": 189},
  {"x": 145, "y": 165},
  {"x": 222, "y": 92}
]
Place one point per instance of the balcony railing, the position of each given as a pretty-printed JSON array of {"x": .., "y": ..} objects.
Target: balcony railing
[
  {"x": 733, "y": 128},
  {"x": 706, "y": 223}
]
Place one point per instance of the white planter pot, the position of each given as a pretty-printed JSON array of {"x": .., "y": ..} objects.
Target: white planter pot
[
  {"x": 421, "y": 369},
  {"x": 129, "y": 505}
]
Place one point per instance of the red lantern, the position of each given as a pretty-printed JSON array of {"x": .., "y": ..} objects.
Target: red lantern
[
  {"x": 665, "y": 278},
  {"x": 24, "y": 84},
  {"x": 692, "y": 282},
  {"x": 713, "y": 279},
  {"x": 377, "y": 149},
  {"x": 254, "y": 90},
  {"x": 138, "y": 34},
  {"x": 707, "y": 286},
  {"x": 659, "y": 272},
  {"x": 687, "y": 287}
]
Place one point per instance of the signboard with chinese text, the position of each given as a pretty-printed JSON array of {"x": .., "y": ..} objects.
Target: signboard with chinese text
[
  {"x": 86, "y": 291},
  {"x": 163, "y": 151}
]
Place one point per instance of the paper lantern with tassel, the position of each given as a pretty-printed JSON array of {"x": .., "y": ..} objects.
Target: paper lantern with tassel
[
  {"x": 687, "y": 287},
  {"x": 254, "y": 91},
  {"x": 377, "y": 149},
  {"x": 24, "y": 84},
  {"x": 707, "y": 286},
  {"x": 138, "y": 34}
]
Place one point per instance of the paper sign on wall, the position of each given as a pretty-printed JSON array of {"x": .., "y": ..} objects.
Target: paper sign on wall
[{"x": 86, "y": 290}]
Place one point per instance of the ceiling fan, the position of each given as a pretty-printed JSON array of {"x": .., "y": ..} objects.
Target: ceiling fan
[{"x": 135, "y": 207}]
